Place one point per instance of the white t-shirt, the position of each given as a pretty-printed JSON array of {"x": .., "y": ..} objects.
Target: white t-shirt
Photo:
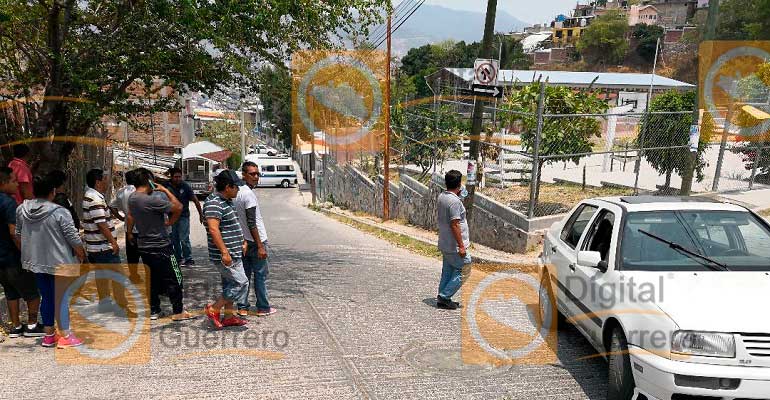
[
  {"x": 246, "y": 199},
  {"x": 120, "y": 200}
]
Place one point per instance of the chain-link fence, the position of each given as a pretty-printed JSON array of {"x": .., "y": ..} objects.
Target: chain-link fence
[{"x": 542, "y": 162}]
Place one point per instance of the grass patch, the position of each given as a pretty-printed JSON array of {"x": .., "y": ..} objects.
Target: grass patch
[
  {"x": 555, "y": 198},
  {"x": 397, "y": 239}
]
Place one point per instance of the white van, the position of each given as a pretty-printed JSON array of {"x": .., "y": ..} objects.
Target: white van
[{"x": 274, "y": 171}]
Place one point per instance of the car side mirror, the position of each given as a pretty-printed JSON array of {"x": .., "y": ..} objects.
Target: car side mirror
[{"x": 591, "y": 259}]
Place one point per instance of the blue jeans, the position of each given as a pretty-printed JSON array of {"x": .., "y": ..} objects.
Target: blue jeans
[
  {"x": 235, "y": 285},
  {"x": 452, "y": 274},
  {"x": 180, "y": 238},
  {"x": 256, "y": 271},
  {"x": 52, "y": 289}
]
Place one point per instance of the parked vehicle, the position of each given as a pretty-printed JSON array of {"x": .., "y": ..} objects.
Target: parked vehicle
[
  {"x": 262, "y": 149},
  {"x": 274, "y": 171},
  {"x": 671, "y": 291},
  {"x": 199, "y": 173}
]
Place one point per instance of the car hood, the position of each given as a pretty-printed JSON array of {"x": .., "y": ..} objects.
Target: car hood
[{"x": 712, "y": 301}]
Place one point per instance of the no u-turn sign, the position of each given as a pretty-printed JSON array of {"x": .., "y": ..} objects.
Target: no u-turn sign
[{"x": 485, "y": 72}]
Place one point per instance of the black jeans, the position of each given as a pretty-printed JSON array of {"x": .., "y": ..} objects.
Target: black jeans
[
  {"x": 132, "y": 252},
  {"x": 165, "y": 277}
]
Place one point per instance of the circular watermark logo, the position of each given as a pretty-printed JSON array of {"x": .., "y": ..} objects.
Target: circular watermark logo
[
  {"x": 721, "y": 86},
  {"x": 118, "y": 327},
  {"x": 503, "y": 319},
  {"x": 343, "y": 98}
]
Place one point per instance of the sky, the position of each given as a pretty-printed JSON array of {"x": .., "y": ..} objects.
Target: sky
[{"x": 525, "y": 10}]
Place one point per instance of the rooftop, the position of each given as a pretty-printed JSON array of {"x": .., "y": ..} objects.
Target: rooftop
[
  {"x": 671, "y": 203},
  {"x": 579, "y": 79}
]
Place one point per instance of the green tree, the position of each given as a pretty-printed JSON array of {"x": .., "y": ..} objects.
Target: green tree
[
  {"x": 743, "y": 20},
  {"x": 226, "y": 135},
  {"x": 673, "y": 130},
  {"x": 604, "y": 41},
  {"x": 647, "y": 39},
  {"x": 565, "y": 136},
  {"x": 275, "y": 94},
  {"x": 94, "y": 50},
  {"x": 422, "y": 139}
]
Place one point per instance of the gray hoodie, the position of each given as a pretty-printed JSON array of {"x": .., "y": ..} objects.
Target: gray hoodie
[{"x": 48, "y": 236}]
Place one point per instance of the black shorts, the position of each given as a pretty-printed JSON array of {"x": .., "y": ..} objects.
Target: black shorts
[{"x": 18, "y": 283}]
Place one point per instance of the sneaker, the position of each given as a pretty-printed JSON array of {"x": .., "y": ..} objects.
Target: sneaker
[
  {"x": 213, "y": 317},
  {"x": 243, "y": 312},
  {"x": 446, "y": 304},
  {"x": 154, "y": 316},
  {"x": 234, "y": 320},
  {"x": 125, "y": 312},
  {"x": 265, "y": 313},
  {"x": 50, "y": 340},
  {"x": 107, "y": 306},
  {"x": 34, "y": 331},
  {"x": 68, "y": 341},
  {"x": 16, "y": 332},
  {"x": 189, "y": 263}
]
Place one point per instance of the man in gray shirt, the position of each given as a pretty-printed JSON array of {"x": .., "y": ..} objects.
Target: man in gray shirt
[{"x": 453, "y": 239}]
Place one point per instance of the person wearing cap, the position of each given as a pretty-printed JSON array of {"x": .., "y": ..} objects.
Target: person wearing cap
[{"x": 226, "y": 248}]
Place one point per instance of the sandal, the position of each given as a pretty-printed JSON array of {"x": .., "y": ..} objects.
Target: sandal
[{"x": 183, "y": 316}]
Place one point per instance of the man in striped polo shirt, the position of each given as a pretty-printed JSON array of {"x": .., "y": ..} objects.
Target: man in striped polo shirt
[
  {"x": 226, "y": 249},
  {"x": 101, "y": 244}
]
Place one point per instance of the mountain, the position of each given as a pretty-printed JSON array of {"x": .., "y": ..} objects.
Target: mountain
[{"x": 432, "y": 24}]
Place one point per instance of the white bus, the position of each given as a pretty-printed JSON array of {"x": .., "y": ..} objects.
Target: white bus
[{"x": 274, "y": 171}]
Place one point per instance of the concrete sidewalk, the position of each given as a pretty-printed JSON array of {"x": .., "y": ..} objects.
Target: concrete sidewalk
[{"x": 480, "y": 254}]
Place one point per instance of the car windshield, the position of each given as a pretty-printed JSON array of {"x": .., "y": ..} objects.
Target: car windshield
[{"x": 736, "y": 239}]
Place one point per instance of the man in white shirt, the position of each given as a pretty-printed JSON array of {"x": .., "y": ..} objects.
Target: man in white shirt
[
  {"x": 119, "y": 208},
  {"x": 253, "y": 226}
]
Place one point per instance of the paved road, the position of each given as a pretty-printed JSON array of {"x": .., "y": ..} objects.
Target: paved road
[{"x": 355, "y": 321}]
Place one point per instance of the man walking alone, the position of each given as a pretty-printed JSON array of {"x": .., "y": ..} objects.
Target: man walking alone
[{"x": 453, "y": 239}]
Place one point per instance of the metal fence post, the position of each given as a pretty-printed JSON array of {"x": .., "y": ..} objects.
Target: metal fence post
[
  {"x": 638, "y": 164},
  {"x": 722, "y": 146},
  {"x": 757, "y": 160},
  {"x": 534, "y": 185}
]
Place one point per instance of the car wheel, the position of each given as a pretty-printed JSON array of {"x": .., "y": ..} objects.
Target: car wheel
[
  {"x": 285, "y": 183},
  {"x": 547, "y": 304},
  {"x": 621, "y": 378}
]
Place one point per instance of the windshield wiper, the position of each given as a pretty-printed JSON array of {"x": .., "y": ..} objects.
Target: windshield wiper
[{"x": 678, "y": 247}]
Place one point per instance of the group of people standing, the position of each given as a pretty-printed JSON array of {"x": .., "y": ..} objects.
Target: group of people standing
[{"x": 42, "y": 248}]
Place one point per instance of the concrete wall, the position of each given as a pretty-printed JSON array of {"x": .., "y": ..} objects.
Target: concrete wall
[{"x": 492, "y": 224}]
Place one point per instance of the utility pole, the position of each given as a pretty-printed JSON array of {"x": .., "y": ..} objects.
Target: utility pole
[
  {"x": 710, "y": 34},
  {"x": 386, "y": 155},
  {"x": 478, "y": 109},
  {"x": 243, "y": 134}
]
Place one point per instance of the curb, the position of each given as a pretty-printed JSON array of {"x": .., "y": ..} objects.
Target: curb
[{"x": 476, "y": 259}]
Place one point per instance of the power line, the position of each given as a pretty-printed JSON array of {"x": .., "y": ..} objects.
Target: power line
[
  {"x": 381, "y": 29},
  {"x": 403, "y": 20}
]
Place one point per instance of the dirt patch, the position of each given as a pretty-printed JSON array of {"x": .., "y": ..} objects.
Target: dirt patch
[{"x": 553, "y": 199}]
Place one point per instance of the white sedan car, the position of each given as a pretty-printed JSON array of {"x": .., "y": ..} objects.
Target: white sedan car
[{"x": 673, "y": 292}]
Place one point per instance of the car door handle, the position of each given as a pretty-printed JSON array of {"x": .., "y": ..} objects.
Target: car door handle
[{"x": 572, "y": 267}]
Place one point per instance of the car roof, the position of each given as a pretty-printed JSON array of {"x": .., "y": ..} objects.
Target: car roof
[{"x": 668, "y": 203}]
